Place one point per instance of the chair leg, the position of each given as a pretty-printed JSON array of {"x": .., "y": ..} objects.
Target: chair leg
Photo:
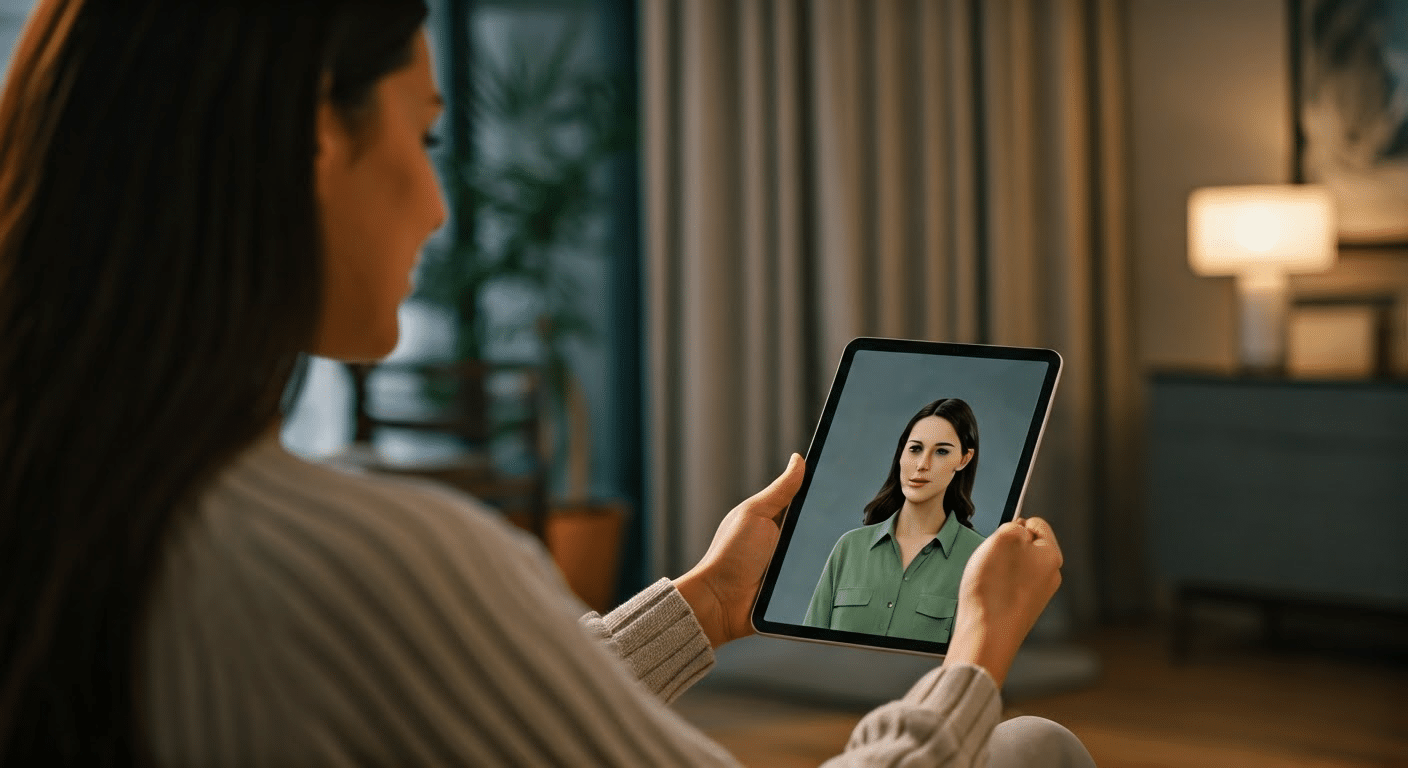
[{"x": 1182, "y": 626}]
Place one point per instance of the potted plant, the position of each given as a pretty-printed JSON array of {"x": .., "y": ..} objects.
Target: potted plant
[{"x": 534, "y": 184}]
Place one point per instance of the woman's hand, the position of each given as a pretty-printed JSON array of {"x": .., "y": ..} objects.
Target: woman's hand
[
  {"x": 722, "y": 587},
  {"x": 1006, "y": 584}
]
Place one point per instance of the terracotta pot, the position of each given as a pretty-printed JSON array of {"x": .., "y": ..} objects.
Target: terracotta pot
[{"x": 585, "y": 541}]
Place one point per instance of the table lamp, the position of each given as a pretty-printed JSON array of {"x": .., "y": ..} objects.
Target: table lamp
[{"x": 1261, "y": 234}]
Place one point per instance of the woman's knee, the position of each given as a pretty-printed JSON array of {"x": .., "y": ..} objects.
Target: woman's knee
[{"x": 1036, "y": 742}]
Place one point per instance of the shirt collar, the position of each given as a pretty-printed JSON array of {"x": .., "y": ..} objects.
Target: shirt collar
[{"x": 947, "y": 534}]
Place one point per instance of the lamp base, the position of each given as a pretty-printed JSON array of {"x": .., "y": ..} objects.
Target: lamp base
[{"x": 1262, "y": 302}]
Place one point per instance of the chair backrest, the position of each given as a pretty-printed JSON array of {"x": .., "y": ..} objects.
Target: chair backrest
[
  {"x": 481, "y": 405},
  {"x": 458, "y": 392}
]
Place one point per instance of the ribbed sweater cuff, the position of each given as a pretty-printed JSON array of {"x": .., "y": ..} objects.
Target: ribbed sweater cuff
[
  {"x": 658, "y": 636},
  {"x": 966, "y": 699}
]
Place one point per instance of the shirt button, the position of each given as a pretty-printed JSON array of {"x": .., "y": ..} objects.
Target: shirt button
[{"x": 891, "y": 605}]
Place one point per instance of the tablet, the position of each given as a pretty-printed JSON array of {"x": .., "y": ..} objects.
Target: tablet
[{"x": 923, "y": 449}]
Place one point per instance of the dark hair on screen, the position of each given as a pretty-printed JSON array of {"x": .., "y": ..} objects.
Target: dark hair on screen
[
  {"x": 958, "y": 498},
  {"x": 160, "y": 272}
]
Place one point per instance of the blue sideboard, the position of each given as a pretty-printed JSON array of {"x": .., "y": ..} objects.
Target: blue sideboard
[{"x": 1280, "y": 489}]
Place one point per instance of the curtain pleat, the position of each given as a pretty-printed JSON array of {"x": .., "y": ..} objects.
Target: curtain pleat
[
  {"x": 958, "y": 169},
  {"x": 1117, "y": 529},
  {"x": 757, "y": 286},
  {"x": 660, "y": 85},
  {"x": 818, "y": 170},
  {"x": 839, "y": 199},
  {"x": 792, "y": 367}
]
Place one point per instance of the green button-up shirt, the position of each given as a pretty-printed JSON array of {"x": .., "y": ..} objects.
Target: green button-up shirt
[{"x": 864, "y": 589}]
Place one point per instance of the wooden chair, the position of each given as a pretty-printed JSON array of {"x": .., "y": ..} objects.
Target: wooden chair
[{"x": 479, "y": 406}]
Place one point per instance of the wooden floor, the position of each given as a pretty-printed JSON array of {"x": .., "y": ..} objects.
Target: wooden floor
[{"x": 1232, "y": 703}]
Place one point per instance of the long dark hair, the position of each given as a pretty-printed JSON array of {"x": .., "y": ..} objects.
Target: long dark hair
[
  {"x": 160, "y": 273},
  {"x": 958, "y": 498}
]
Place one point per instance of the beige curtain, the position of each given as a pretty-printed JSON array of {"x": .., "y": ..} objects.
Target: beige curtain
[{"x": 818, "y": 170}]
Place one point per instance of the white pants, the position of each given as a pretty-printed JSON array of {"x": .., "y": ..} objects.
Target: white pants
[{"x": 1035, "y": 742}]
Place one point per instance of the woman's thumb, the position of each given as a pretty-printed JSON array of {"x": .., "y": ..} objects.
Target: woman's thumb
[{"x": 780, "y": 491}]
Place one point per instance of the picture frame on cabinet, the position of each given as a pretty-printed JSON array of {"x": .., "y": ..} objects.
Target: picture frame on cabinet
[{"x": 1340, "y": 338}]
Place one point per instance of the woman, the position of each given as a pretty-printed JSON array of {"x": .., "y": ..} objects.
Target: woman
[
  {"x": 193, "y": 195},
  {"x": 898, "y": 575}
]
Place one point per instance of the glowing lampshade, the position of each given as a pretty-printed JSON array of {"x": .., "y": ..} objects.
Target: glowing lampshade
[
  {"x": 1279, "y": 228},
  {"x": 1261, "y": 234}
]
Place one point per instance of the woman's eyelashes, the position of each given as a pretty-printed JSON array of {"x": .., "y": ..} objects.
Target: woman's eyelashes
[
  {"x": 917, "y": 448},
  {"x": 430, "y": 140}
]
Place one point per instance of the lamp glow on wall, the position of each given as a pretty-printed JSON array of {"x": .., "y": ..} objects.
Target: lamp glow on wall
[{"x": 1261, "y": 235}]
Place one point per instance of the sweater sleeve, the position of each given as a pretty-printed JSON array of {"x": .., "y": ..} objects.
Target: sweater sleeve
[
  {"x": 945, "y": 720},
  {"x": 656, "y": 634}
]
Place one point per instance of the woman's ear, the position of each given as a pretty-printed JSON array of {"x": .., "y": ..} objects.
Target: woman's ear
[
  {"x": 331, "y": 133},
  {"x": 333, "y": 148}
]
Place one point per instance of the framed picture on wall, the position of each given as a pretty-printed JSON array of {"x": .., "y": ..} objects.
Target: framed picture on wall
[
  {"x": 1349, "y": 75},
  {"x": 1340, "y": 337}
]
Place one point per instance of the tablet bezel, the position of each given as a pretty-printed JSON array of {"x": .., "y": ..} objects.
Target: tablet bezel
[{"x": 1015, "y": 495}]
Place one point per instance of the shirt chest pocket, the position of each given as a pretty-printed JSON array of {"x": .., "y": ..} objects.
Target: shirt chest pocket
[
  {"x": 851, "y": 597},
  {"x": 851, "y": 611},
  {"x": 936, "y": 611}
]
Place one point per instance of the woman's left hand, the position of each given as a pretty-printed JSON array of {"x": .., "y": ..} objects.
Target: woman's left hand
[{"x": 722, "y": 587}]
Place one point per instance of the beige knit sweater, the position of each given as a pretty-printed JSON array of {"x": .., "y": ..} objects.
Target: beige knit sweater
[{"x": 311, "y": 617}]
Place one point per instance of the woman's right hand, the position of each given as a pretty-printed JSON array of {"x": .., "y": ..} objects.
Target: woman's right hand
[{"x": 1006, "y": 585}]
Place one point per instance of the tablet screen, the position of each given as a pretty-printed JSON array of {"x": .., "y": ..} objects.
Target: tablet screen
[{"x": 922, "y": 451}]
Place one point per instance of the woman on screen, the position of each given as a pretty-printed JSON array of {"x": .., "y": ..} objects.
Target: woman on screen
[{"x": 898, "y": 574}]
